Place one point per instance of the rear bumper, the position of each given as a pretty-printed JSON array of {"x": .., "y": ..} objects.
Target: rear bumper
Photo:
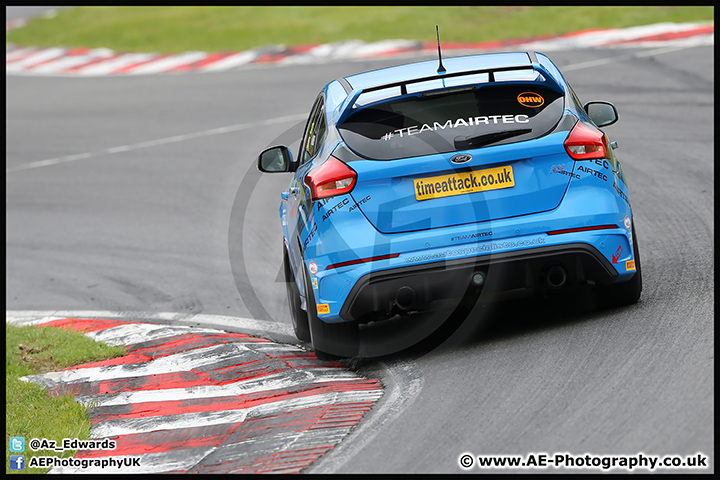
[{"x": 516, "y": 273}]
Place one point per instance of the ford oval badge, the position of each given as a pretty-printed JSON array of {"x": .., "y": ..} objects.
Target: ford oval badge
[{"x": 462, "y": 158}]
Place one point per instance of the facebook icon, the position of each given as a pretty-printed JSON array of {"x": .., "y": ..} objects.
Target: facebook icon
[{"x": 17, "y": 462}]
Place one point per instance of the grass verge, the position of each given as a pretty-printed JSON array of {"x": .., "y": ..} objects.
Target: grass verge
[
  {"x": 29, "y": 411},
  {"x": 211, "y": 29}
]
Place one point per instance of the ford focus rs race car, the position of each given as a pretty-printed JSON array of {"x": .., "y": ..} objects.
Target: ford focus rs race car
[{"x": 419, "y": 185}]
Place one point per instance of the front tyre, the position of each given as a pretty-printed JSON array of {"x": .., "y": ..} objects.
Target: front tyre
[
  {"x": 298, "y": 315},
  {"x": 331, "y": 341}
]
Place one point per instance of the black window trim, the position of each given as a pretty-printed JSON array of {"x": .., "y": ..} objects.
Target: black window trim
[{"x": 317, "y": 111}]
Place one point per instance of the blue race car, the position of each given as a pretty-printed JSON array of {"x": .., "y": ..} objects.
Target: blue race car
[{"x": 419, "y": 185}]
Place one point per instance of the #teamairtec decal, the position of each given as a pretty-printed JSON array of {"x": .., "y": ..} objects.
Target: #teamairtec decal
[{"x": 530, "y": 99}]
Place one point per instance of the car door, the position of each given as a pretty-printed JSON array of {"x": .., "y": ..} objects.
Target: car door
[{"x": 299, "y": 204}]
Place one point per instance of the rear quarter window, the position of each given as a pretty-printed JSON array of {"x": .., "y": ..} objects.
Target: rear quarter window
[{"x": 426, "y": 124}]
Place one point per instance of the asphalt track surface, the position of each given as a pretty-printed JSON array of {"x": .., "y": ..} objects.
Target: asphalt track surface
[{"x": 141, "y": 195}]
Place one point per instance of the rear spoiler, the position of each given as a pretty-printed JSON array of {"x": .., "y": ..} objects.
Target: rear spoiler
[{"x": 346, "y": 107}]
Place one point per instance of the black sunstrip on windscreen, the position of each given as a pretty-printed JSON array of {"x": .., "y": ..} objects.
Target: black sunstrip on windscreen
[{"x": 423, "y": 125}]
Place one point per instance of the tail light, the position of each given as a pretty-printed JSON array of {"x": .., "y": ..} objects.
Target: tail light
[
  {"x": 586, "y": 142},
  {"x": 582, "y": 229},
  {"x": 362, "y": 260},
  {"x": 330, "y": 179}
]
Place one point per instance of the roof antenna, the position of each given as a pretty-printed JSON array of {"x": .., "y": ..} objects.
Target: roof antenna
[{"x": 440, "y": 69}]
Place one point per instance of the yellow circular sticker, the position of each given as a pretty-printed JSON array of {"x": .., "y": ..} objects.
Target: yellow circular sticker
[{"x": 530, "y": 99}]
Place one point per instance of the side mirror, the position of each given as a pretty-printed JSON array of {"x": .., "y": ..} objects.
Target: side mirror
[
  {"x": 601, "y": 113},
  {"x": 276, "y": 159}
]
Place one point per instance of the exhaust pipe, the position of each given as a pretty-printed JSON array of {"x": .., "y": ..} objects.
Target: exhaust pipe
[
  {"x": 405, "y": 297},
  {"x": 556, "y": 277}
]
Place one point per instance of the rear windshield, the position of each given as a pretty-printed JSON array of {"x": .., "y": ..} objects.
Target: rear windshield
[{"x": 460, "y": 120}]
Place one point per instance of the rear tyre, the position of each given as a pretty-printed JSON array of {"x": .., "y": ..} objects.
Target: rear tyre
[
  {"x": 331, "y": 341},
  {"x": 298, "y": 315},
  {"x": 625, "y": 293}
]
